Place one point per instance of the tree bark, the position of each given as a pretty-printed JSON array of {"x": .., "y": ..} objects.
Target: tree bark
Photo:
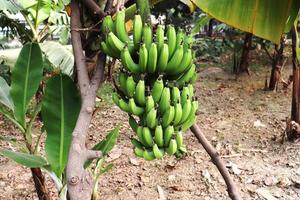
[
  {"x": 40, "y": 185},
  {"x": 277, "y": 62},
  {"x": 244, "y": 60},
  {"x": 231, "y": 187},
  {"x": 210, "y": 27}
]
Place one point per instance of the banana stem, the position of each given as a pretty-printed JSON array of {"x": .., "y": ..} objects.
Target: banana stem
[{"x": 232, "y": 190}]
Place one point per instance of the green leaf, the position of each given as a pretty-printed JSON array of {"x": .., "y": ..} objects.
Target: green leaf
[
  {"x": 60, "y": 109},
  {"x": 5, "y": 98},
  {"x": 200, "y": 23},
  {"x": 263, "y": 18},
  {"x": 10, "y": 6},
  {"x": 25, "y": 159},
  {"x": 106, "y": 145},
  {"x": 59, "y": 56},
  {"x": 26, "y": 76}
]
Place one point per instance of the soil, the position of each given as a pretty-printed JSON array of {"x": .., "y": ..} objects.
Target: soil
[{"x": 243, "y": 122}]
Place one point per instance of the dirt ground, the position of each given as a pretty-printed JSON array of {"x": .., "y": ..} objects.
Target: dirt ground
[{"x": 243, "y": 122}]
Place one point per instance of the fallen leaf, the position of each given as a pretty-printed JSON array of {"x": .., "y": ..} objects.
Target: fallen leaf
[{"x": 161, "y": 193}]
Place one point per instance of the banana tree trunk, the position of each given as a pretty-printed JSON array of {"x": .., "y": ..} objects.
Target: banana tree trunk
[
  {"x": 244, "y": 60},
  {"x": 277, "y": 62},
  {"x": 40, "y": 184}
]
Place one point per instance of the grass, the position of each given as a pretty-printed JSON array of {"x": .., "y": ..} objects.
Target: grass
[{"x": 104, "y": 93}]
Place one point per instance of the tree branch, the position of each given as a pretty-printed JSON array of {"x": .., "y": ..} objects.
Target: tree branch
[
  {"x": 92, "y": 5},
  {"x": 83, "y": 78},
  {"x": 231, "y": 187}
]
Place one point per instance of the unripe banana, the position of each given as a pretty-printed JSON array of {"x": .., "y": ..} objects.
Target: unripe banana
[
  {"x": 157, "y": 89},
  {"x": 171, "y": 35},
  {"x": 115, "y": 98},
  {"x": 137, "y": 30},
  {"x": 178, "y": 113},
  {"x": 179, "y": 139},
  {"x": 151, "y": 120},
  {"x": 188, "y": 41},
  {"x": 108, "y": 51},
  {"x": 187, "y": 109},
  {"x": 108, "y": 25},
  {"x": 147, "y": 136},
  {"x": 194, "y": 77},
  {"x": 188, "y": 123},
  {"x": 172, "y": 148},
  {"x": 147, "y": 36},
  {"x": 149, "y": 103},
  {"x": 123, "y": 105},
  {"x": 185, "y": 94},
  {"x": 160, "y": 37},
  {"x": 139, "y": 152},
  {"x": 143, "y": 58},
  {"x": 139, "y": 95},
  {"x": 159, "y": 136},
  {"x": 163, "y": 58},
  {"x": 168, "y": 133},
  {"x": 128, "y": 62},
  {"x": 175, "y": 95},
  {"x": 134, "y": 109},
  {"x": 157, "y": 152},
  {"x": 175, "y": 61},
  {"x": 137, "y": 143},
  {"x": 165, "y": 100},
  {"x": 130, "y": 86},
  {"x": 168, "y": 117},
  {"x": 191, "y": 90},
  {"x": 187, "y": 76},
  {"x": 120, "y": 26},
  {"x": 122, "y": 79},
  {"x": 186, "y": 62},
  {"x": 139, "y": 133},
  {"x": 179, "y": 37},
  {"x": 148, "y": 155},
  {"x": 152, "y": 60},
  {"x": 133, "y": 124},
  {"x": 115, "y": 44}
]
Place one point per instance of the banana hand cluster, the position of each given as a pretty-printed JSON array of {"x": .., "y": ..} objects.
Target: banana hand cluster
[{"x": 155, "y": 84}]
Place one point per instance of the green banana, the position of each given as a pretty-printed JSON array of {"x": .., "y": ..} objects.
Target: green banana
[
  {"x": 151, "y": 120},
  {"x": 157, "y": 89},
  {"x": 185, "y": 94},
  {"x": 115, "y": 44},
  {"x": 187, "y": 76},
  {"x": 191, "y": 90},
  {"x": 178, "y": 113},
  {"x": 107, "y": 50},
  {"x": 179, "y": 37},
  {"x": 188, "y": 41},
  {"x": 175, "y": 95},
  {"x": 147, "y": 136},
  {"x": 123, "y": 105},
  {"x": 115, "y": 98},
  {"x": 136, "y": 143},
  {"x": 148, "y": 155},
  {"x": 168, "y": 133},
  {"x": 130, "y": 86},
  {"x": 108, "y": 25},
  {"x": 185, "y": 63},
  {"x": 143, "y": 58},
  {"x": 188, "y": 123},
  {"x": 122, "y": 79},
  {"x": 163, "y": 58},
  {"x": 187, "y": 109},
  {"x": 157, "y": 152},
  {"x": 194, "y": 77},
  {"x": 179, "y": 139},
  {"x": 152, "y": 61},
  {"x": 139, "y": 95},
  {"x": 159, "y": 136},
  {"x": 160, "y": 37},
  {"x": 171, "y": 36},
  {"x": 165, "y": 100},
  {"x": 133, "y": 124},
  {"x": 139, "y": 133},
  {"x": 172, "y": 148},
  {"x": 175, "y": 61},
  {"x": 168, "y": 117},
  {"x": 138, "y": 152},
  {"x": 120, "y": 26},
  {"x": 137, "y": 30},
  {"x": 128, "y": 62},
  {"x": 147, "y": 36},
  {"x": 149, "y": 103},
  {"x": 192, "y": 114},
  {"x": 134, "y": 109}
]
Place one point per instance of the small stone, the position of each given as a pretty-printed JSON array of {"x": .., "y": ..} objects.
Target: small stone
[
  {"x": 284, "y": 182},
  {"x": 270, "y": 181},
  {"x": 134, "y": 161},
  {"x": 171, "y": 178}
]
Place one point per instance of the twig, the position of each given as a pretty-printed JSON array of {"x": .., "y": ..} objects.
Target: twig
[
  {"x": 232, "y": 155},
  {"x": 231, "y": 187},
  {"x": 92, "y": 5},
  {"x": 254, "y": 150}
]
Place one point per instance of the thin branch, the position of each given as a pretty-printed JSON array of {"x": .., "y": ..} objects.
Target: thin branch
[
  {"x": 109, "y": 5},
  {"x": 92, "y": 5},
  {"x": 90, "y": 154},
  {"x": 83, "y": 78},
  {"x": 231, "y": 187}
]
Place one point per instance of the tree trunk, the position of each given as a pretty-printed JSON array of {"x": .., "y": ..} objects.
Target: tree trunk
[
  {"x": 210, "y": 27},
  {"x": 293, "y": 132},
  {"x": 277, "y": 62},
  {"x": 40, "y": 185},
  {"x": 244, "y": 60}
]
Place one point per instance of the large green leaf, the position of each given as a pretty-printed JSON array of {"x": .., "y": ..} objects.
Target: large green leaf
[
  {"x": 59, "y": 56},
  {"x": 25, "y": 159},
  {"x": 26, "y": 76},
  {"x": 263, "y": 18},
  {"x": 5, "y": 98},
  {"x": 60, "y": 109}
]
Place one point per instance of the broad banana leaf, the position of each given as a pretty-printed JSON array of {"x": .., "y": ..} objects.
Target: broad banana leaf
[
  {"x": 264, "y": 18},
  {"x": 26, "y": 76},
  {"x": 60, "y": 109},
  {"x": 5, "y": 98}
]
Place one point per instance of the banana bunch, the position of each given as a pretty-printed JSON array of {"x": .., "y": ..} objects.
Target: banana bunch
[{"x": 154, "y": 86}]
